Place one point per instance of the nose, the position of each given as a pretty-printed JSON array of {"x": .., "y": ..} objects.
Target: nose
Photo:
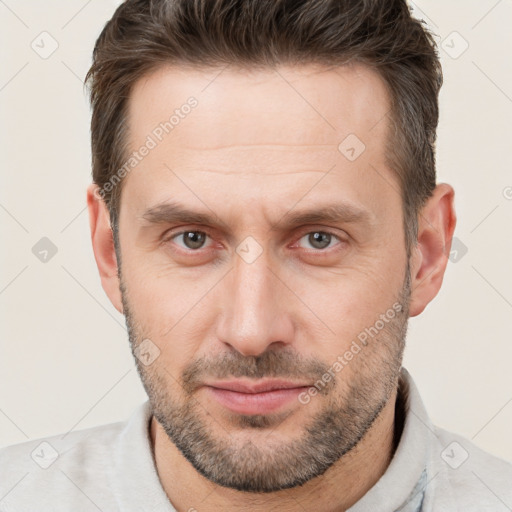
[{"x": 256, "y": 309}]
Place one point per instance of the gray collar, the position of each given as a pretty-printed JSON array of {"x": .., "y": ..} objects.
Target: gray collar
[{"x": 402, "y": 487}]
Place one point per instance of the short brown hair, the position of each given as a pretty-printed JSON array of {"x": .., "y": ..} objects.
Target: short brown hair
[{"x": 146, "y": 34}]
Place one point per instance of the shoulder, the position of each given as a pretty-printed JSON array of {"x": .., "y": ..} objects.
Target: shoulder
[
  {"x": 60, "y": 467},
  {"x": 460, "y": 476},
  {"x": 62, "y": 449},
  {"x": 476, "y": 479}
]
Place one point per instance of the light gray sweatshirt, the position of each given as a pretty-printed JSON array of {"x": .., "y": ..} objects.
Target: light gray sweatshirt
[{"x": 111, "y": 468}]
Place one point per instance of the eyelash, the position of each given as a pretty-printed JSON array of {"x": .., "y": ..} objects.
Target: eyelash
[{"x": 326, "y": 250}]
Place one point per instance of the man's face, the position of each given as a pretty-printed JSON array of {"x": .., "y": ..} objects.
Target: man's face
[{"x": 249, "y": 296}]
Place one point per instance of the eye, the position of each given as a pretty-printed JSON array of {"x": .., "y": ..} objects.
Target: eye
[
  {"x": 192, "y": 240},
  {"x": 320, "y": 240}
]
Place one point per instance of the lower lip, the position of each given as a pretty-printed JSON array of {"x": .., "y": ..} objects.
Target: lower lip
[{"x": 255, "y": 403}]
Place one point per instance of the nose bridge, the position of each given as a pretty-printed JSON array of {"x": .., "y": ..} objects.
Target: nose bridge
[{"x": 253, "y": 318}]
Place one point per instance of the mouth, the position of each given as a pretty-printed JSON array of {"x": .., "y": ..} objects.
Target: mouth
[{"x": 261, "y": 397}]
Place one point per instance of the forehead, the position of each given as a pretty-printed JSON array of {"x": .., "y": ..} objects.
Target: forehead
[
  {"x": 253, "y": 105},
  {"x": 262, "y": 132}
]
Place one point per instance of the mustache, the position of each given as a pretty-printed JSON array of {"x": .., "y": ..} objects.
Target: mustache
[{"x": 285, "y": 364}]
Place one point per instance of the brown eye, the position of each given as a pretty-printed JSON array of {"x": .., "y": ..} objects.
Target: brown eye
[{"x": 191, "y": 239}]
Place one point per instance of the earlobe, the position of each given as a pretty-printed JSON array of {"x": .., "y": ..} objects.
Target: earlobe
[
  {"x": 103, "y": 245},
  {"x": 436, "y": 224}
]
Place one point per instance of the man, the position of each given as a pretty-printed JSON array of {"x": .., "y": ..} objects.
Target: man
[{"x": 265, "y": 214}]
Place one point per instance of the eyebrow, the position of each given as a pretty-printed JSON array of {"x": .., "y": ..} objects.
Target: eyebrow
[
  {"x": 339, "y": 213},
  {"x": 172, "y": 212}
]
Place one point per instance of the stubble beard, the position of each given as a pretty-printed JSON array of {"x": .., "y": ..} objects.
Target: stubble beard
[{"x": 270, "y": 466}]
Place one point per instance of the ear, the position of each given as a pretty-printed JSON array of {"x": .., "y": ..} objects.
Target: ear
[
  {"x": 103, "y": 245},
  {"x": 436, "y": 223}
]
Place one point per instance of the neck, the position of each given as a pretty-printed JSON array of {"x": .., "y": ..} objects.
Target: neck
[{"x": 340, "y": 487}]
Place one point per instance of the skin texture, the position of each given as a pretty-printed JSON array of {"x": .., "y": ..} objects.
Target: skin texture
[{"x": 258, "y": 146}]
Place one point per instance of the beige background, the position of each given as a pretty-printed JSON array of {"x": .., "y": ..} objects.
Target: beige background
[{"x": 64, "y": 357}]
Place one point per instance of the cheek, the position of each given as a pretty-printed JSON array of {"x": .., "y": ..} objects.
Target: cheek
[
  {"x": 349, "y": 305},
  {"x": 162, "y": 291},
  {"x": 171, "y": 309},
  {"x": 353, "y": 296}
]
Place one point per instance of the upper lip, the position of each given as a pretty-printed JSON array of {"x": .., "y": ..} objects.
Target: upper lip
[{"x": 256, "y": 387}]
